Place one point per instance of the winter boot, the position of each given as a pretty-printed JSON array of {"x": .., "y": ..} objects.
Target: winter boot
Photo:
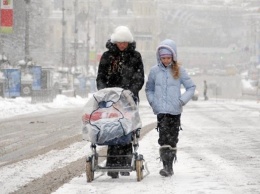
[
  {"x": 125, "y": 173},
  {"x": 168, "y": 155},
  {"x": 113, "y": 175},
  {"x": 164, "y": 171},
  {"x": 172, "y": 159}
]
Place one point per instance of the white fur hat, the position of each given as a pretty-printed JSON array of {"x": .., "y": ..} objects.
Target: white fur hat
[{"x": 122, "y": 34}]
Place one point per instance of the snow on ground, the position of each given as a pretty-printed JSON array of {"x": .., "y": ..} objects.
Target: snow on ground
[
  {"x": 17, "y": 106},
  {"x": 25, "y": 171},
  {"x": 198, "y": 169},
  {"x": 192, "y": 175}
]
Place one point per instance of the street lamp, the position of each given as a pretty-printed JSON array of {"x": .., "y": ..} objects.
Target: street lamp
[
  {"x": 82, "y": 18},
  {"x": 27, "y": 34},
  {"x": 76, "y": 34},
  {"x": 63, "y": 35}
]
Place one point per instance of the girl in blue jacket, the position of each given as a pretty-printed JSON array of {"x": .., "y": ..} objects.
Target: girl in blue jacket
[{"x": 163, "y": 92}]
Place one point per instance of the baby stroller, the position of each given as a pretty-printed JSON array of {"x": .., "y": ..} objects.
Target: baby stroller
[{"x": 111, "y": 117}]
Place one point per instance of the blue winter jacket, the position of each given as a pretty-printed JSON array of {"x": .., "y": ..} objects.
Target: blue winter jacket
[{"x": 163, "y": 91}]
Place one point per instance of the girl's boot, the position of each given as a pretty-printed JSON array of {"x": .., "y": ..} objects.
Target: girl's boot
[{"x": 168, "y": 155}]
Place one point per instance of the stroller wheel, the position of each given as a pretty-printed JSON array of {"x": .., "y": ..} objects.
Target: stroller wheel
[
  {"x": 139, "y": 169},
  {"x": 89, "y": 171}
]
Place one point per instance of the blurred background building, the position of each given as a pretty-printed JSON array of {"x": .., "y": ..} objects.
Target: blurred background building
[
  {"x": 211, "y": 35},
  {"x": 73, "y": 33}
]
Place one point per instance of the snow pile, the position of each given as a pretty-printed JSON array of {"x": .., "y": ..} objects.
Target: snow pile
[{"x": 19, "y": 106}]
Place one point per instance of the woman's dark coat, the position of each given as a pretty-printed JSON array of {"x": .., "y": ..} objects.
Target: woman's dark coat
[{"x": 122, "y": 69}]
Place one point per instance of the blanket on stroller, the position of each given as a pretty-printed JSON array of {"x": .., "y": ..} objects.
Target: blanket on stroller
[{"x": 110, "y": 114}]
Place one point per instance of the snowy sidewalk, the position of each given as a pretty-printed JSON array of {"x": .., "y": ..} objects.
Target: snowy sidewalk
[{"x": 210, "y": 156}]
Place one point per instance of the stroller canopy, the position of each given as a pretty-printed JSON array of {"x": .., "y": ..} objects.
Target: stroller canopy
[{"x": 109, "y": 114}]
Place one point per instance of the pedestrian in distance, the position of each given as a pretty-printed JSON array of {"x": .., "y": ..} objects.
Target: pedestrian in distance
[
  {"x": 121, "y": 66},
  {"x": 163, "y": 92},
  {"x": 205, "y": 90}
]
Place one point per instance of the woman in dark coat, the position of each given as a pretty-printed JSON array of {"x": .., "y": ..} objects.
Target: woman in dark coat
[{"x": 121, "y": 66}]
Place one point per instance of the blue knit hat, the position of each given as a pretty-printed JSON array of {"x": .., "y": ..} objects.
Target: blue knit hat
[{"x": 164, "y": 52}]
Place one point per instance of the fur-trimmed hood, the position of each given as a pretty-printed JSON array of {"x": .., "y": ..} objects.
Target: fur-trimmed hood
[{"x": 169, "y": 45}]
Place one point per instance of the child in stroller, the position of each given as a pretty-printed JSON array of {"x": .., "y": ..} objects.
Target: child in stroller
[{"x": 111, "y": 117}]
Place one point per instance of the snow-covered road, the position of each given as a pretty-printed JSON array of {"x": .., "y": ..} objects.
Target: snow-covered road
[{"x": 218, "y": 152}]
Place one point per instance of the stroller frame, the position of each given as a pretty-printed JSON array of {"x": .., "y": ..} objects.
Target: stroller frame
[{"x": 137, "y": 161}]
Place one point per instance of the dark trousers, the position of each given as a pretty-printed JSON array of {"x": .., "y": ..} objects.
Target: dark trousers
[
  {"x": 117, "y": 150},
  {"x": 168, "y": 126}
]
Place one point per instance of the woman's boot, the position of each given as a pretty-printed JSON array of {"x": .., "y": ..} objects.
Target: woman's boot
[{"x": 168, "y": 155}]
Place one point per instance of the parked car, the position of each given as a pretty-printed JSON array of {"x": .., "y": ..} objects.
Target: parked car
[
  {"x": 195, "y": 97},
  {"x": 249, "y": 87},
  {"x": 194, "y": 71}
]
